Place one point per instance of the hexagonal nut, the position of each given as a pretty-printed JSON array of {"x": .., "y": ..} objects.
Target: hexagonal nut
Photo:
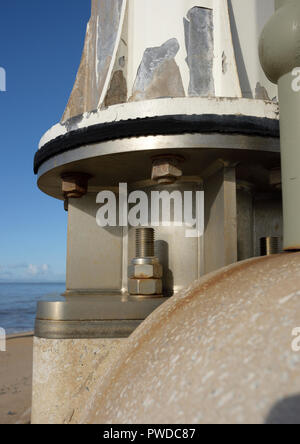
[
  {"x": 74, "y": 185},
  {"x": 145, "y": 287},
  {"x": 166, "y": 170},
  {"x": 145, "y": 271}
]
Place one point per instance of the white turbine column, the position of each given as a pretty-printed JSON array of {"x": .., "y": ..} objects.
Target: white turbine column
[
  {"x": 102, "y": 41},
  {"x": 235, "y": 29},
  {"x": 227, "y": 83},
  {"x": 248, "y": 18},
  {"x": 151, "y": 24},
  {"x": 137, "y": 50}
]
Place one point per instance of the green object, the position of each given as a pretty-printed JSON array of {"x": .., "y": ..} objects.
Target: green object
[{"x": 279, "y": 51}]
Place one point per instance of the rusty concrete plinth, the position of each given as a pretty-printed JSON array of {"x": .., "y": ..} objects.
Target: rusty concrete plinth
[
  {"x": 63, "y": 372},
  {"x": 219, "y": 352}
]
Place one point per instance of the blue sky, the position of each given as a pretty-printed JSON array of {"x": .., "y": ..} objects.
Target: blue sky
[{"x": 40, "y": 49}]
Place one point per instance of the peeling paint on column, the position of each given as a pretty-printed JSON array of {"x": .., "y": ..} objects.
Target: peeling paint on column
[
  {"x": 261, "y": 92},
  {"x": 199, "y": 40},
  {"x": 159, "y": 75},
  {"x": 117, "y": 92},
  {"x": 108, "y": 13},
  {"x": 122, "y": 62},
  {"x": 100, "y": 42}
]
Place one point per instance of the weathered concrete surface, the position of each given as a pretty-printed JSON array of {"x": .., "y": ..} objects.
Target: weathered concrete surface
[
  {"x": 63, "y": 372},
  {"x": 220, "y": 352},
  {"x": 97, "y": 55},
  {"x": 159, "y": 75},
  {"x": 199, "y": 39},
  {"x": 15, "y": 379}
]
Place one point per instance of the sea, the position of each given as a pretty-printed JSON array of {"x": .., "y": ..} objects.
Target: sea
[{"x": 18, "y": 303}]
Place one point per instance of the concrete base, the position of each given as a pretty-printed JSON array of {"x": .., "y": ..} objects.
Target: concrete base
[{"x": 63, "y": 372}]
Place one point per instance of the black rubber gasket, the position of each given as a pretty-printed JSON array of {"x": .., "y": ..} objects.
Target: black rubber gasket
[{"x": 157, "y": 126}]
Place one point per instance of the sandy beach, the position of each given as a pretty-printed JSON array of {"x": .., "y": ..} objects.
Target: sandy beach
[{"x": 16, "y": 380}]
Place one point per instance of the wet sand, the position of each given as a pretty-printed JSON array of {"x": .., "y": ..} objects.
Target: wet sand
[{"x": 16, "y": 380}]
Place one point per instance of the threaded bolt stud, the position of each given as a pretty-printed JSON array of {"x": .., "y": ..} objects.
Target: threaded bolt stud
[{"x": 145, "y": 242}]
